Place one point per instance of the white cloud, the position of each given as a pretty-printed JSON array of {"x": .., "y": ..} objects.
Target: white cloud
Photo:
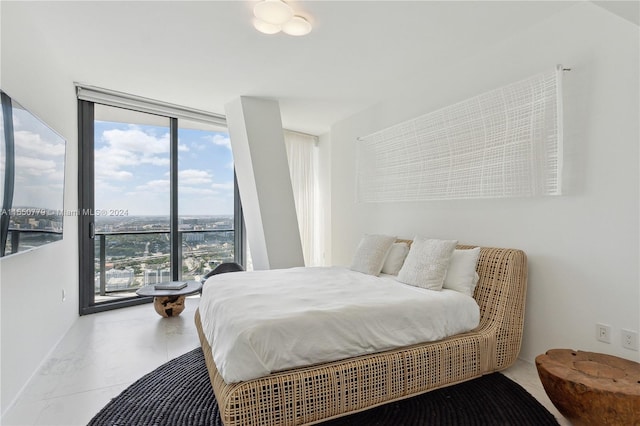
[
  {"x": 223, "y": 186},
  {"x": 158, "y": 185},
  {"x": 34, "y": 196},
  {"x": 34, "y": 166},
  {"x": 56, "y": 187},
  {"x": 198, "y": 146},
  {"x": 215, "y": 191},
  {"x": 201, "y": 192},
  {"x": 221, "y": 141},
  {"x": 194, "y": 177},
  {"x": 156, "y": 161},
  {"x": 57, "y": 176},
  {"x": 103, "y": 186},
  {"x": 26, "y": 141},
  {"x": 136, "y": 141},
  {"x": 129, "y": 148},
  {"x": 108, "y": 163},
  {"x": 116, "y": 175},
  {"x": 135, "y": 161}
]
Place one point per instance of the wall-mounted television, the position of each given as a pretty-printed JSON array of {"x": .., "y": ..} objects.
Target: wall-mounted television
[{"x": 32, "y": 159}]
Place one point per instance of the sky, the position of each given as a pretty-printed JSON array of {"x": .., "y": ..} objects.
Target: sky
[
  {"x": 132, "y": 170},
  {"x": 39, "y": 163}
]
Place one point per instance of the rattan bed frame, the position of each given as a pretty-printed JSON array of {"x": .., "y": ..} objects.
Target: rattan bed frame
[{"x": 316, "y": 393}]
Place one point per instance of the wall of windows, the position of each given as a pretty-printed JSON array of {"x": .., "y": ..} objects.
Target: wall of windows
[{"x": 159, "y": 202}]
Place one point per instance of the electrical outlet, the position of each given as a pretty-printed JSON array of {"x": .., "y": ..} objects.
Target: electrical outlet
[
  {"x": 603, "y": 333},
  {"x": 630, "y": 339}
]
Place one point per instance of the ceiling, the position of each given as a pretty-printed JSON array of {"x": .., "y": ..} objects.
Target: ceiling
[{"x": 204, "y": 54}]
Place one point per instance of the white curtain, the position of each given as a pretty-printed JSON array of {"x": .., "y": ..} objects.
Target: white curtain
[{"x": 303, "y": 167}]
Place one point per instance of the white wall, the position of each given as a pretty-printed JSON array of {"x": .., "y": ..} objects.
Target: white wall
[
  {"x": 583, "y": 247},
  {"x": 33, "y": 316}
]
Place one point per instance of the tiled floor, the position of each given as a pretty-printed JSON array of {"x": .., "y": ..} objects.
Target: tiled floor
[
  {"x": 101, "y": 355},
  {"x": 104, "y": 353}
]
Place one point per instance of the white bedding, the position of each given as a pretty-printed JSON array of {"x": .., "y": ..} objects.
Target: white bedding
[{"x": 265, "y": 321}]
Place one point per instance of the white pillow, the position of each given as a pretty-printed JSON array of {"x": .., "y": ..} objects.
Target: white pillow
[
  {"x": 462, "y": 271},
  {"x": 395, "y": 258},
  {"x": 476, "y": 278},
  {"x": 371, "y": 253},
  {"x": 427, "y": 263}
]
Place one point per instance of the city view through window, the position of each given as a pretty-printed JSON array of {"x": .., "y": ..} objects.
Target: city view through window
[
  {"x": 137, "y": 250},
  {"x": 132, "y": 203}
]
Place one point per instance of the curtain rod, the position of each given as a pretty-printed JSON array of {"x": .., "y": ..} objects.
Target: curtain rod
[
  {"x": 140, "y": 103},
  {"x": 315, "y": 137}
]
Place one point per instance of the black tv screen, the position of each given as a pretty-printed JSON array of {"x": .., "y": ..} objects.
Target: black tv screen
[{"x": 32, "y": 158}]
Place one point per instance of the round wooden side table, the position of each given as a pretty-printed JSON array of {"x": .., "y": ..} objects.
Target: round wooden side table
[
  {"x": 169, "y": 303},
  {"x": 590, "y": 388}
]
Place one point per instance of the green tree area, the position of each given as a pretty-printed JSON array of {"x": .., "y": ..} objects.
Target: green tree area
[{"x": 119, "y": 246}]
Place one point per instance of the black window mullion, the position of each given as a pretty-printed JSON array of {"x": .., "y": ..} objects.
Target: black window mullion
[
  {"x": 86, "y": 200},
  {"x": 9, "y": 174},
  {"x": 238, "y": 225},
  {"x": 176, "y": 244}
]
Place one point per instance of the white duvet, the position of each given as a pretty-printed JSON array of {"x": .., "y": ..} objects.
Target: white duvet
[{"x": 265, "y": 321}]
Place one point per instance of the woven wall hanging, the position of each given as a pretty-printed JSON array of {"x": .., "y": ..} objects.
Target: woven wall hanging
[{"x": 503, "y": 143}]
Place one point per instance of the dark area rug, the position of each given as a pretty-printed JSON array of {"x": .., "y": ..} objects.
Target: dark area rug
[{"x": 179, "y": 393}]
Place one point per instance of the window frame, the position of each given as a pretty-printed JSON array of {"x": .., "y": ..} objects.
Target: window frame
[{"x": 86, "y": 203}]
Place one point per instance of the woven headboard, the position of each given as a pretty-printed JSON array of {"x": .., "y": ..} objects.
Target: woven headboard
[{"x": 500, "y": 292}]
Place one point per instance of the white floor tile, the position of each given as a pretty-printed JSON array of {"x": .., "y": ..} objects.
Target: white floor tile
[
  {"x": 76, "y": 409},
  {"x": 525, "y": 374},
  {"x": 99, "y": 357},
  {"x": 23, "y": 413}
]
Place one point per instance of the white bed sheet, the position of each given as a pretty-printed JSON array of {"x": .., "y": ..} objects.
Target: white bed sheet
[{"x": 266, "y": 321}]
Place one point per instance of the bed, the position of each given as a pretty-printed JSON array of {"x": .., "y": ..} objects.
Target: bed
[{"x": 314, "y": 393}]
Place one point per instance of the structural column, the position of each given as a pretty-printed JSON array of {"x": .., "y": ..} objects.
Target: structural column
[{"x": 262, "y": 171}]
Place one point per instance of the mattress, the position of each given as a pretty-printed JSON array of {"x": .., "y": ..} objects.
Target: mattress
[{"x": 262, "y": 322}]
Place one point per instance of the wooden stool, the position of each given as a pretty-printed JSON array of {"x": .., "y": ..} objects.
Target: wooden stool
[
  {"x": 590, "y": 388},
  {"x": 168, "y": 306},
  {"x": 169, "y": 303}
]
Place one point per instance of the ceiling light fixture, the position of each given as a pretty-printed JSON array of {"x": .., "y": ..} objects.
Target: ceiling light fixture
[
  {"x": 273, "y": 16},
  {"x": 265, "y": 27},
  {"x": 274, "y": 12},
  {"x": 296, "y": 26}
]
